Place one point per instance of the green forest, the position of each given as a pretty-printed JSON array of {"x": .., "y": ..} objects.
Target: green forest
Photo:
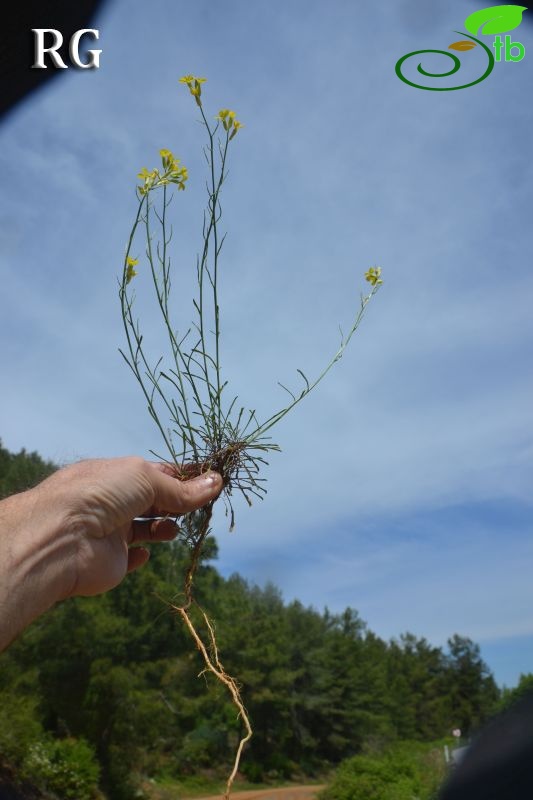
[{"x": 102, "y": 697}]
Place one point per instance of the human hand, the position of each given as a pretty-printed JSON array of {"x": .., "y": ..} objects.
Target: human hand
[
  {"x": 102, "y": 498},
  {"x": 70, "y": 535}
]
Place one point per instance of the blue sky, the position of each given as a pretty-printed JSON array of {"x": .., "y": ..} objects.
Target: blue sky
[{"x": 404, "y": 485}]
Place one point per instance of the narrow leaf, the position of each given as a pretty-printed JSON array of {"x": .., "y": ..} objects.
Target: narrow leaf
[
  {"x": 287, "y": 390},
  {"x": 305, "y": 379}
]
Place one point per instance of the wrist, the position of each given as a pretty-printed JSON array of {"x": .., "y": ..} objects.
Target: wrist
[{"x": 34, "y": 547}]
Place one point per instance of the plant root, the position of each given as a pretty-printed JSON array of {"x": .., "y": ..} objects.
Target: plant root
[{"x": 211, "y": 661}]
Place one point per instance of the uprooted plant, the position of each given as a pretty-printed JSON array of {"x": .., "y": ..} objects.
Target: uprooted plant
[{"x": 185, "y": 389}]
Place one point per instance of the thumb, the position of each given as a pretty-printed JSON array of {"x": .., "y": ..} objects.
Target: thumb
[{"x": 174, "y": 496}]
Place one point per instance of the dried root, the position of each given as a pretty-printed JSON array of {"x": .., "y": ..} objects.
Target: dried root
[{"x": 196, "y": 530}]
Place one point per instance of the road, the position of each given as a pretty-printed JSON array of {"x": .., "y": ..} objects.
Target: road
[{"x": 282, "y": 793}]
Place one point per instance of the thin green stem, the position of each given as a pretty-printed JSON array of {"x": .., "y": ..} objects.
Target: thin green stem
[
  {"x": 262, "y": 429},
  {"x": 162, "y": 298},
  {"x": 212, "y": 230},
  {"x": 133, "y": 363},
  {"x": 213, "y": 200}
]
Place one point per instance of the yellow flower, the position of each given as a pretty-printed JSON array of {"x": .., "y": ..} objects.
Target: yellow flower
[
  {"x": 149, "y": 179},
  {"x": 192, "y": 79},
  {"x": 236, "y": 126},
  {"x": 229, "y": 121},
  {"x": 373, "y": 276},
  {"x": 226, "y": 117},
  {"x": 173, "y": 172},
  {"x": 169, "y": 160},
  {"x": 194, "y": 85},
  {"x": 131, "y": 263}
]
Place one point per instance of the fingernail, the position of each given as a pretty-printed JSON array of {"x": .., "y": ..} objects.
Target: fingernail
[{"x": 211, "y": 479}]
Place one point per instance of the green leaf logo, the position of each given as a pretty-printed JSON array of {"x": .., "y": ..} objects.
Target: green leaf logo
[{"x": 495, "y": 19}]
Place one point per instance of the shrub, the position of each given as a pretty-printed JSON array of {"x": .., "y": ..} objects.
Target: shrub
[
  {"x": 407, "y": 771},
  {"x": 19, "y": 727},
  {"x": 66, "y": 767}
]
